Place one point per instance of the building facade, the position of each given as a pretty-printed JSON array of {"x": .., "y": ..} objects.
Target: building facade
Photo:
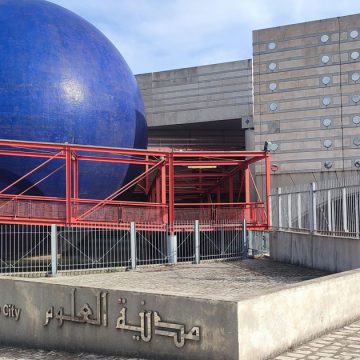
[{"x": 300, "y": 91}]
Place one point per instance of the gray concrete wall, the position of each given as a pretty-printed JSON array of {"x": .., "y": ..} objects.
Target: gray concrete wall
[
  {"x": 297, "y": 125},
  {"x": 215, "y": 319},
  {"x": 272, "y": 323},
  {"x": 199, "y": 94},
  {"x": 251, "y": 329},
  {"x": 322, "y": 252}
]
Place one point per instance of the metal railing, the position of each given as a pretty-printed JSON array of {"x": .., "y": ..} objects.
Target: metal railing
[
  {"x": 30, "y": 250},
  {"x": 330, "y": 207}
]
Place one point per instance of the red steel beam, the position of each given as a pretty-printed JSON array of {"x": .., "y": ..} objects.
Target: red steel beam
[
  {"x": 33, "y": 154},
  {"x": 116, "y": 160},
  {"x": 74, "y": 153},
  {"x": 184, "y": 154},
  {"x": 88, "y": 148},
  {"x": 171, "y": 193},
  {"x": 208, "y": 162},
  {"x": 247, "y": 184},
  {"x": 200, "y": 175},
  {"x": 120, "y": 191},
  {"x": 29, "y": 173},
  {"x": 259, "y": 204},
  {"x": 17, "y": 196},
  {"x": 68, "y": 185},
  {"x": 268, "y": 188}
]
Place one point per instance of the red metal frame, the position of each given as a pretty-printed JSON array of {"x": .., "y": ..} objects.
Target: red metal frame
[{"x": 178, "y": 185}]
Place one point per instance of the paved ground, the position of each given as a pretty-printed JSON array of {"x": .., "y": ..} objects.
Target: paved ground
[
  {"x": 235, "y": 280},
  {"x": 341, "y": 344}
]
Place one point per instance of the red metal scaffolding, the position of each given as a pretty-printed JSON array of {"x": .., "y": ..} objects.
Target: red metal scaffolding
[{"x": 176, "y": 187}]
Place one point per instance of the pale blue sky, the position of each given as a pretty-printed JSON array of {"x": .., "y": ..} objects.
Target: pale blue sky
[{"x": 155, "y": 35}]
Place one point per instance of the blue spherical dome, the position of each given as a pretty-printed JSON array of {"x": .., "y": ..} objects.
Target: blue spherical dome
[{"x": 62, "y": 80}]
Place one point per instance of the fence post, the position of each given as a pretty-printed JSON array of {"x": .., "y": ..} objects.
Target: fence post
[
  {"x": 344, "y": 210},
  {"x": 172, "y": 248},
  {"x": 133, "y": 245},
  {"x": 312, "y": 208},
  {"x": 357, "y": 215},
  {"x": 279, "y": 209},
  {"x": 329, "y": 208},
  {"x": 197, "y": 241},
  {"x": 222, "y": 240},
  {"x": 289, "y": 211},
  {"x": 54, "y": 250},
  {"x": 251, "y": 246},
  {"x": 299, "y": 209},
  {"x": 244, "y": 238}
]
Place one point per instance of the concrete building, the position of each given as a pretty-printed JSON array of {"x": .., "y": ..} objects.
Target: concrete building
[
  {"x": 200, "y": 107},
  {"x": 300, "y": 91},
  {"x": 307, "y": 96}
]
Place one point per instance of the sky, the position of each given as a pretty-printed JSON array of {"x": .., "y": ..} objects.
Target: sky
[{"x": 156, "y": 35}]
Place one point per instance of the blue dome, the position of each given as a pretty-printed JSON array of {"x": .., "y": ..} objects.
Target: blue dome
[{"x": 62, "y": 80}]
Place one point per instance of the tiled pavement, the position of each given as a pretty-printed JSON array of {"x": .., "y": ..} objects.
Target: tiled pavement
[{"x": 340, "y": 344}]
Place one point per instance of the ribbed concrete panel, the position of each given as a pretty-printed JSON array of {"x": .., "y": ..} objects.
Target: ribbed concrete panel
[
  {"x": 306, "y": 94},
  {"x": 221, "y": 135},
  {"x": 199, "y": 94}
]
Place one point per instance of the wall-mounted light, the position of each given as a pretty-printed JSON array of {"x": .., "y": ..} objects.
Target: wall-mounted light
[
  {"x": 328, "y": 164},
  {"x": 267, "y": 146}
]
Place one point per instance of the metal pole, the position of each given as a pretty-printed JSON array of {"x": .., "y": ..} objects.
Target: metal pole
[
  {"x": 222, "y": 239},
  {"x": 279, "y": 209},
  {"x": 357, "y": 220},
  {"x": 197, "y": 241},
  {"x": 299, "y": 209},
  {"x": 54, "y": 250},
  {"x": 329, "y": 210},
  {"x": 312, "y": 208},
  {"x": 251, "y": 248},
  {"x": 172, "y": 248},
  {"x": 344, "y": 208},
  {"x": 133, "y": 245},
  {"x": 244, "y": 238},
  {"x": 289, "y": 212}
]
